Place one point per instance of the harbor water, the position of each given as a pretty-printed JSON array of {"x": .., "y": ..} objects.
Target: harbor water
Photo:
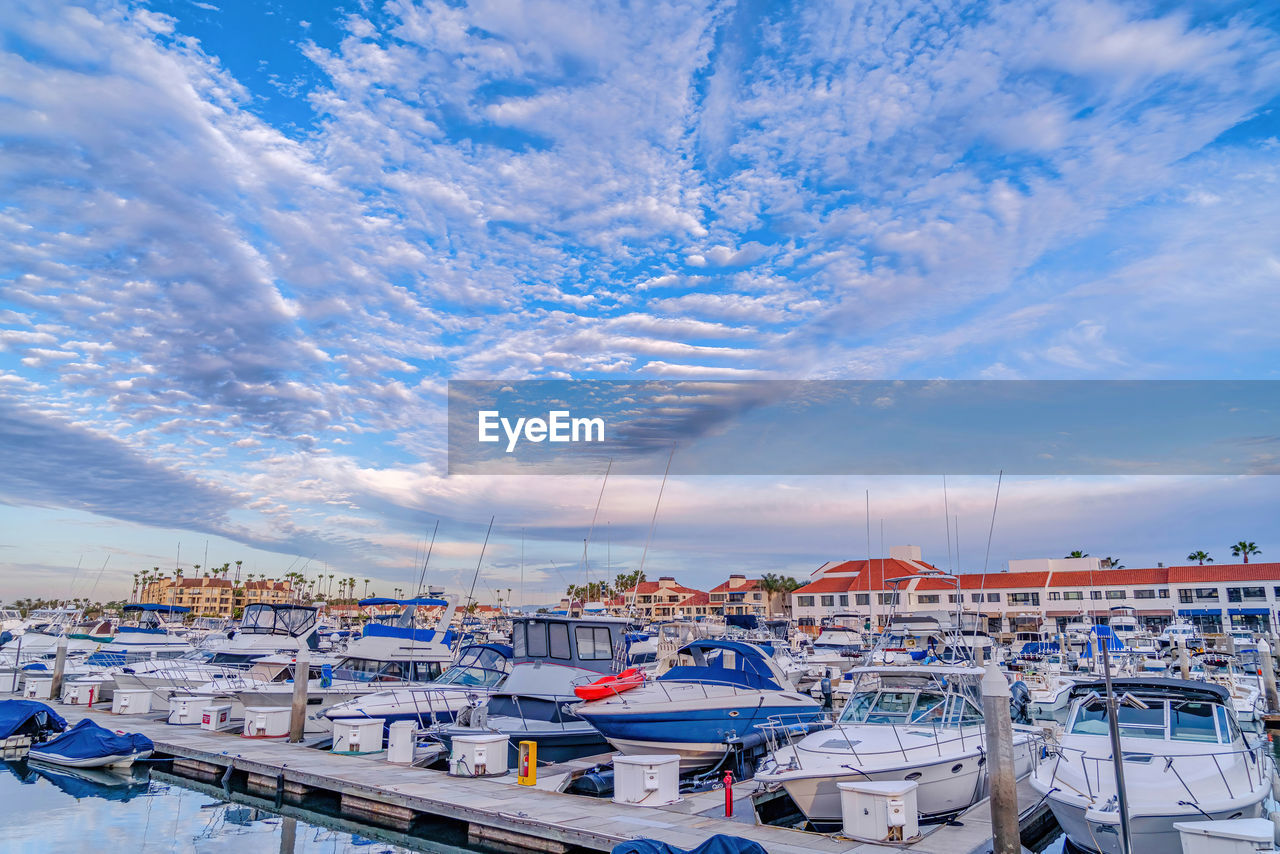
[{"x": 45, "y": 809}]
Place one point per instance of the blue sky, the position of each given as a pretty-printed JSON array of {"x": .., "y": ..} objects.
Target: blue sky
[{"x": 246, "y": 245}]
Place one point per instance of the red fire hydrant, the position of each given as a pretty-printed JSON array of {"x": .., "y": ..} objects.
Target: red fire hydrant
[{"x": 728, "y": 794}]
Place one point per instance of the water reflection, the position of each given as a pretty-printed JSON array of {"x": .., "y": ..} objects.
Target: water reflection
[{"x": 46, "y": 808}]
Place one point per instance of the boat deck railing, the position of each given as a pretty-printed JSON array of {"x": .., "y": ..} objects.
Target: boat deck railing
[{"x": 1255, "y": 765}]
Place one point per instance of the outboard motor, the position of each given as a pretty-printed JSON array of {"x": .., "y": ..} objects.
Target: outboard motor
[
  {"x": 1020, "y": 702},
  {"x": 826, "y": 694}
]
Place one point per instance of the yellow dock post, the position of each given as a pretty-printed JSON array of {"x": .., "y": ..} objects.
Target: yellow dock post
[{"x": 528, "y": 768}]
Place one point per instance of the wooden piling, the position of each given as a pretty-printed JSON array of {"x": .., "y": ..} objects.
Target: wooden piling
[
  {"x": 1000, "y": 762},
  {"x": 1267, "y": 665},
  {"x": 301, "y": 673},
  {"x": 59, "y": 667}
]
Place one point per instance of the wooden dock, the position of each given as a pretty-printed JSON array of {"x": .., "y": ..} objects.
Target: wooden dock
[{"x": 494, "y": 811}]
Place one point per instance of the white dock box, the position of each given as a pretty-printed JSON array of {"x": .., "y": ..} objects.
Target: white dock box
[
  {"x": 79, "y": 693},
  {"x": 880, "y": 811},
  {"x": 1234, "y": 836},
  {"x": 266, "y": 721},
  {"x": 214, "y": 716},
  {"x": 185, "y": 711},
  {"x": 9, "y": 681},
  {"x": 134, "y": 701},
  {"x": 357, "y": 735},
  {"x": 400, "y": 740},
  {"x": 481, "y": 755},
  {"x": 651, "y": 780},
  {"x": 38, "y": 689}
]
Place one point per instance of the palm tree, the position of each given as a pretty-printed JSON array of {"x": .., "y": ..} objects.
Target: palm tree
[
  {"x": 366, "y": 588},
  {"x": 1201, "y": 556},
  {"x": 1078, "y": 553},
  {"x": 1244, "y": 548}
]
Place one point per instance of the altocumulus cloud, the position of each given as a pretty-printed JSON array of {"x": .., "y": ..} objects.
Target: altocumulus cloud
[{"x": 560, "y": 190}]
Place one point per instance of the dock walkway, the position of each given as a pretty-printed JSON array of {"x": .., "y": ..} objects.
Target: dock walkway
[{"x": 494, "y": 809}]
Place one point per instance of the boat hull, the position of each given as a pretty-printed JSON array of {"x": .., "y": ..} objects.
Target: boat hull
[
  {"x": 945, "y": 786},
  {"x": 115, "y": 760},
  {"x": 1151, "y": 833}
]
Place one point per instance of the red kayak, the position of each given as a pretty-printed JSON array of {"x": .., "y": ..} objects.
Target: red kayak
[{"x": 610, "y": 685}]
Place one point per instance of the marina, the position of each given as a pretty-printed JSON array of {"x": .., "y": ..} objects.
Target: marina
[
  {"x": 936, "y": 738},
  {"x": 398, "y": 798}
]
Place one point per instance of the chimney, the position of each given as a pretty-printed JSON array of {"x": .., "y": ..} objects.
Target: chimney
[{"x": 907, "y": 553}]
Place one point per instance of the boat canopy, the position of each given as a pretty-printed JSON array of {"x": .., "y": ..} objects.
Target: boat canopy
[
  {"x": 726, "y": 662},
  {"x": 88, "y": 740},
  {"x": 742, "y": 621},
  {"x": 263, "y": 619},
  {"x": 149, "y": 606},
  {"x": 382, "y": 630},
  {"x": 1154, "y": 686},
  {"x": 27, "y": 717}
]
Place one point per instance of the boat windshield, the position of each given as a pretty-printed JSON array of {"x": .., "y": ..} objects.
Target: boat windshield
[
  {"x": 1185, "y": 720},
  {"x": 477, "y": 668},
  {"x": 899, "y": 706}
]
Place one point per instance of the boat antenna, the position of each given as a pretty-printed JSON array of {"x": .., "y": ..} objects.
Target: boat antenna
[
  {"x": 522, "y": 570},
  {"x": 654, "y": 521},
  {"x": 586, "y": 576},
  {"x": 422, "y": 577},
  {"x": 982, "y": 587},
  {"x": 479, "y": 560},
  {"x": 946, "y": 515}
]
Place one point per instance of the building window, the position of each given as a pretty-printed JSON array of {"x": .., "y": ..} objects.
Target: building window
[
  {"x": 804, "y": 601},
  {"x": 844, "y": 599},
  {"x": 1073, "y": 594},
  {"x": 1164, "y": 592},
  {"x": 1255, "y": 594},
  {"x": 1095, "y": 594},
  {"x": 828, "y": 601},
  {"x": 993, "y": 597},
  {"x": 862, "y": 598},
  {"x": 1210, "y": 593},
  {"x": 1024, "y": 598},
  {"x": 1144, "y": 594},
  {"x": 888, "y": 598},
  {"x": 1115, "y": 594},
  {"x": 975, "y": 597},
  {"x": 1054, "y": 596},
  {"x": 1233, "y": 594},
  {"x": 1184, "y": 594},
  {"x": 928, "y": 599},
  {"x": 951, "y": 597}
]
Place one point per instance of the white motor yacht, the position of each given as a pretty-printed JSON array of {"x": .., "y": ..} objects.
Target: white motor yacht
[
  {"x": 1184, "y": 759},
  {"x": 921, "y": 723}
]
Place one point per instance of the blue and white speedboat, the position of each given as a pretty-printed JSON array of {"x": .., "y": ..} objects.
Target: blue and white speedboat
[{"x": 714, "y": 691}]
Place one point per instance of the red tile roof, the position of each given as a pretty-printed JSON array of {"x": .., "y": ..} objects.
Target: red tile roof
[
  {"x": 748, "y": 584},
  {"x": 650, "y": 587},
  {"x": 1224, "y": 572},
  {"x": 698, "y": 598},
  {"x": 1109, "y": 577},
  {"x": 853, "y": 575}
]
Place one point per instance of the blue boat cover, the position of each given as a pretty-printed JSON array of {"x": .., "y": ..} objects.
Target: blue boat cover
[
  {"x": 380, "y": 630},
  {"x": 87, "y": 740},
  {"x": 742, "y": 621},
  {"x": 726, "y": 662},
  {"x": 27, "y": 717},
  {"x": 718, "y": 844}
]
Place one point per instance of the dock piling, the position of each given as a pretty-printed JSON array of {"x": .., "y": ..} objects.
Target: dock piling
[
  {"x": 301, "y": 673},
  {"x": 59, "y": 667},
  {"x": 1000, "y": 762},
  {"x": 1267, "y": 665}
]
